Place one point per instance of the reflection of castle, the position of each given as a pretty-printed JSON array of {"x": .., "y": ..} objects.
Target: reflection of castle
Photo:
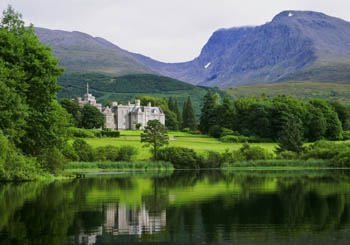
[{"x": 121, "y": 220}]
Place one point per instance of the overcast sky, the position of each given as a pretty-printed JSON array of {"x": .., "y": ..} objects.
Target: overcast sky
[{"x": 166, "y": 30}]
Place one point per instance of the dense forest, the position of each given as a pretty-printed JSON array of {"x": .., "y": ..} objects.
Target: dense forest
[{"x": 271, "y": 118}]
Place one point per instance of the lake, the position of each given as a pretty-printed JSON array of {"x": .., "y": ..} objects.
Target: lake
[{"x": 181, "y": 207}]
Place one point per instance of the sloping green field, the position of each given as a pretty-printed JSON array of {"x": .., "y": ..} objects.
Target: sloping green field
[{"x": 299, "y": 89}]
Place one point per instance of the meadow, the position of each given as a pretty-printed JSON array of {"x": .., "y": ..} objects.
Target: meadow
[{"x": 200, "y": 143}]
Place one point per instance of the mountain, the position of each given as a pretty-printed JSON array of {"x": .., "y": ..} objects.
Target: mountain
[
  {"x": 80, "y": 52},
  {"x": 295, "y": 45}
]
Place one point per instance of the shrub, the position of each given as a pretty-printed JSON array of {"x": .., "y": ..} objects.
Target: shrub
[
  {"x": 346, "y": 135},
  {"x": 287, "y": 155},
  {"x": 234, "y": 139},
  {"x": 196, "y": 132},
  {"x": 84, "y": 150},
  {"x": 323, "y": 150},
  {"x": 127, "y": 153},
  {"x": 215, "y": 131},
  {"x": 108, "y": 152},
  {"x": 256, "y": 153},
  {"x": 186, "y": 130},
  {"x": 342, "y": 159},
  {"x": 69, "y": 153},
  {"x": 52, "y": 160},
  {"x": 80, "y": 133},
  {"x": 213, "y": 160},
  {"x": 110, "y": 133},
  {"x": 226, "y": 131},
  {"x": 180, "y": 157},
  {"x": 256, "y": 139}
]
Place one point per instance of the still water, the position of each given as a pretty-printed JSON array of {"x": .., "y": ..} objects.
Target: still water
[{"x": 183, "y": 207}]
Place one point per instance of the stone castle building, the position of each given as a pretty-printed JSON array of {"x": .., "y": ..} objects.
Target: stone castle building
[{"x": 125, "y": 117}]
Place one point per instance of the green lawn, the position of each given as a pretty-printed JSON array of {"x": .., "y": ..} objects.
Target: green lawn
[{"x": 199, "y": 143}]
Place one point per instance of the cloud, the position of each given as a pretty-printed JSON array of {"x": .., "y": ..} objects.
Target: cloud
[{"x": 166, "y": 30}]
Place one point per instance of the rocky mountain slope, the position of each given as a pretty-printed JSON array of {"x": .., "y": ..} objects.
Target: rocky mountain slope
[{"x": 295, "y": 45}]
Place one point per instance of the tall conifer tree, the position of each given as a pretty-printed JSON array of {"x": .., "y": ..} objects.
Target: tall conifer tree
[
  {"x": 177, "y": 112},
  {"x": 208, "y": 116}
]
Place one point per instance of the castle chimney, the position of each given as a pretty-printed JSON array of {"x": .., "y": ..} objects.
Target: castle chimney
[
  {"x": 149, "y": 104},
  {"x": 137, "y": 102}
]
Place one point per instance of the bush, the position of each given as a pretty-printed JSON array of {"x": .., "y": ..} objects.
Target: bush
[
  {"x": 108, "y": 152},
  {"x": 127, "y": 153},
  {"x": 14, "y": 166},
  {"x": 52, "y": 160},
  {"x": 234, "y": 139},
  {"x": 287, "y": 155},
  {"x": 247, "y": 152},
  {"x": 346, "y": 135},
  {"x": 180, "y": 157},
  {"x": 256, "y": 139},
  {"x": 80, "y": 133},
  {"x": 323, "y": 150},
  {"x": 195, "y": 132},
  {"x": 342, "y": 159},
  {"x": 110, "y": 133},
  {"x": 215, "y": 131},
  {"x": 226, "y": 131},
  {"x": 213, "y": 160},
  {"x": 69, "y": 153},
  {"x": 83, "y": 150}
]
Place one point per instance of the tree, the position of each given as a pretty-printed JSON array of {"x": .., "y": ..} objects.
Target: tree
[
  {"x": 92, "y": 117},
  {"x": 290, "y": 137},
  {"x": 208, "y": 116},
  {"x": 73, "y": 108},
  {"x": 171, "y": 105},
  {"x": 155, "y": 135},
  {"x": 227, "y": 113},
  {"x": 177, "y": 112},
  {"x": 189, "y": 119},
  {"x": 29, "y": 73}
]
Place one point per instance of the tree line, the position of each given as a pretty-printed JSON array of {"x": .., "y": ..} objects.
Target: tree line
[{"x": 274, "y": 118}]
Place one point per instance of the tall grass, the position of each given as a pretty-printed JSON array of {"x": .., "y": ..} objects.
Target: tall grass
[{"x": 140, "y": 165}]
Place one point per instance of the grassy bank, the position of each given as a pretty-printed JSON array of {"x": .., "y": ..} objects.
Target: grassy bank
[{"x": 116, "y": 166}]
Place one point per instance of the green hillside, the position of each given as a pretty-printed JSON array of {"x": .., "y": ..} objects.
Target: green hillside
[
  {"x": 125, "y": 88},
  {"x": 300, "y": 89}
]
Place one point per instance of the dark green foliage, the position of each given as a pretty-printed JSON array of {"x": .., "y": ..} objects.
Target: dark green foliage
[
  {"x": 346, "y": 135},
  {"x": 52, "y": 159},
  {"x": 290, "y": 137},
  {"x": 73, "y": 108},
  {"x": 247, "y": 152},
  {"x": 110, "y": 133},
  {"x": 215, "y": 131},
  {"x": 234, "y": 139},
  {"x": 14, "y": 166},
  {"x": 334, "y": 126},
  {"x": 268, "y": 119},
  {"x": 92, "y": 117},
  {"x": 127, "y": 153},
  {"x": 343, "y": 114},
  {"x": 208, "y": 113},
  {"x": 180, "y": 157},
  {"x": 323, "y": 150},
  {"x": 80, "y": 133},
  {"x": 188, "y": 117},
  {"x": 171, "y": 104},
  {"x": 342, "y": 159},
  {"x": 178, "y": 113},
  {"x": 155, "y": 135},
  {"x": 109, "y": 152},
  {"x": 83, "y": 150}
]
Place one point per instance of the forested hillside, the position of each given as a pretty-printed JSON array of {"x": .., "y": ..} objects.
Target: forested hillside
[{"x": 125, "y": 88}]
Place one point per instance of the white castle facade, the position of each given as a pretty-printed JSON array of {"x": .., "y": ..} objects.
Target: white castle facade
[{"x": 125, "y": 117}]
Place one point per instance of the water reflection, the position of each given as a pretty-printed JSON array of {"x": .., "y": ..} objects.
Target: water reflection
[{"x": 186, "y": 207}]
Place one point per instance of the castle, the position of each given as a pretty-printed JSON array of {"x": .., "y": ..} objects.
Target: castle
[{"x": 125, "y": 117}]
